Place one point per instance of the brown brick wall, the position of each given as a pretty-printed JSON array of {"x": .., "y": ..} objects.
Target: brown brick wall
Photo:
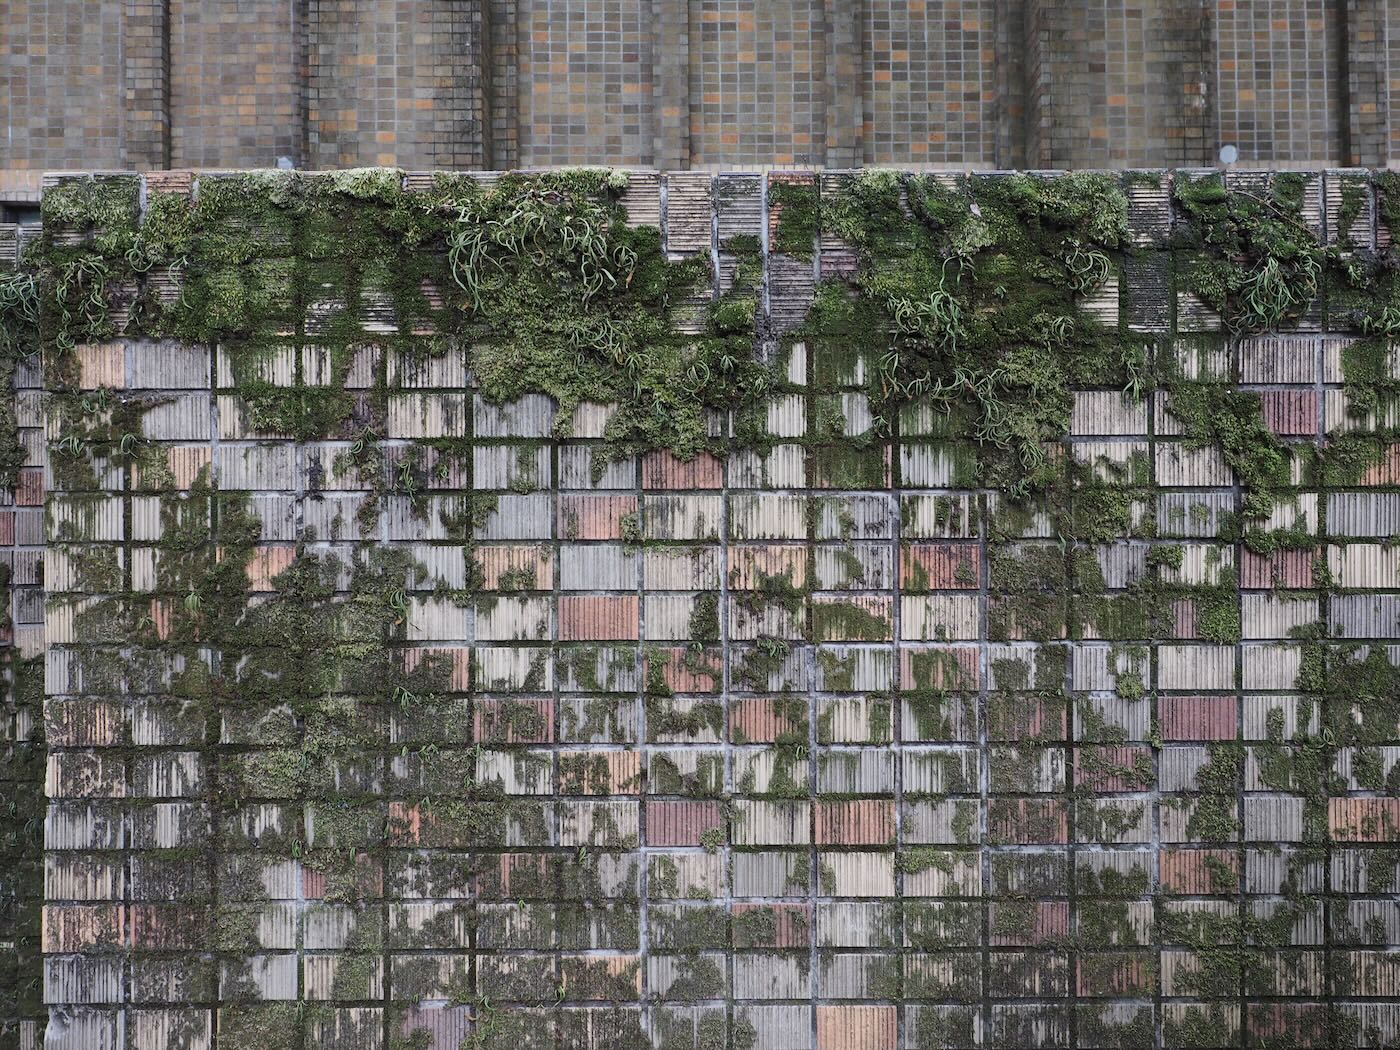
[
  {"x": 60, "y": 73},
  {"x": 585, "y": 69},
  {"x": 395, "y": 84},
  {"x": 705, "y": 83},
  {"x": 1278, "y": 80},
  {"x": 503, "y": 83},
  {"x": 236, "y": 69}
]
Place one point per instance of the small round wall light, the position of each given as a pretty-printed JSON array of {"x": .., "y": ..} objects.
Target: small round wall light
[
  {"x": 285, "y": 163},
  {"x": 1229, "y": 154}
]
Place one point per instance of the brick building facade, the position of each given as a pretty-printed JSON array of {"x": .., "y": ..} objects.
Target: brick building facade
[{"x": 149, "y": 84}]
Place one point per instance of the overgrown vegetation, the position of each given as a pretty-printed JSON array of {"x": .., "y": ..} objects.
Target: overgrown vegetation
[
  {"x": 561, "y": 296},
  {"x": 970, "y": 298},
  {"x": 976, "y": 308},
  {"x": 20, "y": 312},
  {"x": 1250, "y": 257},
  {"x": 540, "y": 274}
]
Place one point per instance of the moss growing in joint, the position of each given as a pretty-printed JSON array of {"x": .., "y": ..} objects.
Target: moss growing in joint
[{"x": 797, "y": 205}]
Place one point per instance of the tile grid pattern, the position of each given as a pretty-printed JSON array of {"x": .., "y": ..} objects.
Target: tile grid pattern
[
  {"x": 1368, "y": 87},
  {"x": 587, "y": 66},
  {"x": 502, "y": 144},
  {"x": 1277, "y": 93},
  {"x": 60, "y": 71},
  {"x": 714, "y": 84},
  {"x": 757, "y": 83},
  {"x": 929, "y": 90},
  {"x": 1142, "y": 101},
  {"x": 232, "y": 64},
  {"x": 896, "y": 863},
  {"x": 397, "y": 84}
]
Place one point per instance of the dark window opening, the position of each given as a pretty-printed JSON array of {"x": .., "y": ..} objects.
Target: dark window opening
[{"x": 25, "y": 213}]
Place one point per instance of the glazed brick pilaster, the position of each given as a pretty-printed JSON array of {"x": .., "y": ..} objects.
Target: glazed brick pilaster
[
  {"x": 671, "y": 85},
  {"x": 845, "y": 115},
  {"x": 1368, "y": 82},
  {"x": 146, "y": 72}
]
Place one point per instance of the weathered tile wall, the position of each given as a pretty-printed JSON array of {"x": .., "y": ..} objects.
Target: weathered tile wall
[
  {"x": 757, "y": 83},
  {"x": 231, "y": 62},
  {"x": 676, "y": 804},
  {"x": 1135, "y": 85},
  {"x": 1275, "y": 94},
  {"x": 60, "y": 69},
  {"x": 926, "y": 104},
  {"x": 674, "y": 84},
  {"x": 589, "y": 68},
  {"x": 396, "y": 84}
]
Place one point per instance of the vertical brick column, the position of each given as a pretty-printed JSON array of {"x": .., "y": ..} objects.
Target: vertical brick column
[
  {"x": 502, "y": 64},
  {"x": 1031, "y": 37},
  {"x": 1010, "y": 60},
  {"x": 671, "y": 84},
  {"x": 1367, "y": 83},
  {"x": 146, "y": 76},
  {"x": 1178, "y": 43},
  {"x": 845, "y": 116}
]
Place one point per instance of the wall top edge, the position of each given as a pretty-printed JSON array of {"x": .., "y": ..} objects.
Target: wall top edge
[{"x": 13, "y": 189}]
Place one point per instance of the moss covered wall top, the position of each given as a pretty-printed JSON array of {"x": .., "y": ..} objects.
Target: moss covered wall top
[{"x": 592, "y": 609}]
